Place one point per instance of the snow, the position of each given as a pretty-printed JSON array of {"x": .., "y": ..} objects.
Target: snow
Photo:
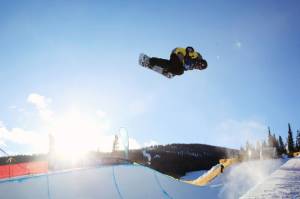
[
  {"x": 147, "y": 155},
  {"x": 283, "y": 183},
  {"x": 123, "y": 181},
  {"x": 193, "y": 175},
  {"x": 136, "y": 181},
  {"x": 239, "y": 178}
]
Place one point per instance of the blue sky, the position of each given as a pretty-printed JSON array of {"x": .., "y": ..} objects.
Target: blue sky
[{"x": 61, "y": 57}]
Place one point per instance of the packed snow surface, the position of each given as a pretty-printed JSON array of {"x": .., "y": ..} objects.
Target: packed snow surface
[
  {"x": 193, "y": 175},
  {"x": 135, "y": 181},
  {"x": 283, "y": 183}
]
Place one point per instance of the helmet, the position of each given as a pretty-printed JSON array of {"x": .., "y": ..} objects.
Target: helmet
[
  {"x": 201, "y": 64},
  {"x": 189, "y": 49}
]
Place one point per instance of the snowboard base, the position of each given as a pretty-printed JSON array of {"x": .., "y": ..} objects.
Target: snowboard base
[{"x": 144, "y": 61}]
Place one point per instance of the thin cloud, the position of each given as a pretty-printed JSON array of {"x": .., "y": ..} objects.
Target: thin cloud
[
  {"x": 134, "y": 144},
  {"x": 150, "y": 143},
  {"x": 81, "y": 129},
  {"x": 105, "y": 121},
  {"x": 39, "y": 101},
  {"x": 141, "y": 105},
  {"x": 38, "y": 141},
  {"x": 101, "y": 114},
  {"x": 3, "y": 133},
  {"x": 138, "y": 107},
  {"x": 234, "y": 133},
  {"x": 238, "y": 44},
  {"x": 12, "y": 107},
  {"x": 106, "y": 144},
  {"x": 42, "y": 105}
]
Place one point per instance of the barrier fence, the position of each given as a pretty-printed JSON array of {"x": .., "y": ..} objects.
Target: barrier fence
[{"x": 20, "y": 169}]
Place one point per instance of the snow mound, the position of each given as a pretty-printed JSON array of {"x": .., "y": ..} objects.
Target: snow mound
[{"x": 283, "y": 183}]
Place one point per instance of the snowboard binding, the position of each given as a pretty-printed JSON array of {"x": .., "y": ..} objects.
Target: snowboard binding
[{"x": 144, "y": 60}]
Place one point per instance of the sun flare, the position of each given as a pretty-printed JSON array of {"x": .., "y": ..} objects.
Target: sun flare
[{"x": 76, "y": 133}]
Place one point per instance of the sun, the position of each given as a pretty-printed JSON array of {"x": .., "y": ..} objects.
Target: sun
[{"x": 75, "y": 133}]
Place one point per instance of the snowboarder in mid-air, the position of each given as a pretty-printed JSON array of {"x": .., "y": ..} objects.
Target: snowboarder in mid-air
[{"x": 181, "y": 59}]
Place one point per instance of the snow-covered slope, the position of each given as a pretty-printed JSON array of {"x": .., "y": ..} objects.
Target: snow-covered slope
[
  {"x": 283, "y": 183},
  {"x": 239, "y": 178}
]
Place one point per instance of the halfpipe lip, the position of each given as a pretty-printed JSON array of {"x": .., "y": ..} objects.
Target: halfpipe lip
[{"x": 65, "y": 171}]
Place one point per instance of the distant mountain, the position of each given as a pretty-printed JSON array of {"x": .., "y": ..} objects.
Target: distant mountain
[
  {"x": 171, "y": 159},
  {"x": 177, "y": 159}
]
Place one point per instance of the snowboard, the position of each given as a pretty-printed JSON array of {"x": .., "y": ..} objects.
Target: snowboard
[{"x": 144, "y": 61}]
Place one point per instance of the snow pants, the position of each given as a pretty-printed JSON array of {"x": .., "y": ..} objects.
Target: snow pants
[{"x": 174, "y": 65}]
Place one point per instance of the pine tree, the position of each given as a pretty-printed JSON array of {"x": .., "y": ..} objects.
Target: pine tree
[
  {"x": 290, "y": 140},
  {"x": 258, "y": 146},
  {"x": 242, "y": 149},
  {"x": 249, "y": 149},
  {"x": 264, "y": 144},
  {"x": 270, "y": 138},
  {"x": 298, "y": 141},
  {"x": 276, "y": 144},
  {"x": 247, "y": 146},
  {"x": 281, "y": 146}
]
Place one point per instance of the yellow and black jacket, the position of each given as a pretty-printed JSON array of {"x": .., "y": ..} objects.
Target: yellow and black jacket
[{"x": 183, "y": 56}]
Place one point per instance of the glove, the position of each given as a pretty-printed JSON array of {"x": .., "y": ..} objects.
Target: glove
[{"x": 188, "y": 60}]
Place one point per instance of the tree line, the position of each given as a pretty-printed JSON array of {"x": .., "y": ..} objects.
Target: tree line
[{"x": 281, "y": 147}]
